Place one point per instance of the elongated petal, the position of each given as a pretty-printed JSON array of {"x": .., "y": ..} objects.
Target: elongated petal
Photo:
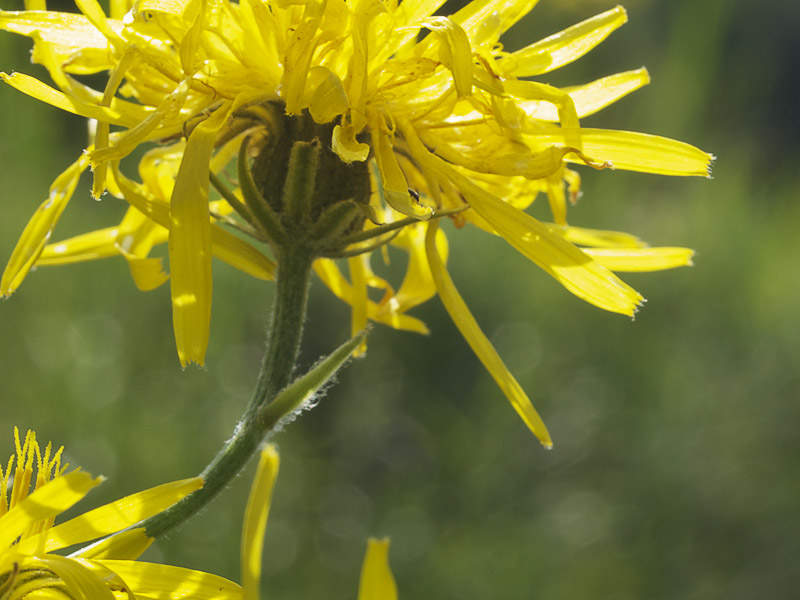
[
  {"x": 641, "y": 259},
  {"x": 164, "y": 582},
  {"x": 125, "y": 545},
  {"x": 240, "y": 255},
  {"x": 591, "y": 97},
  {"x": 190, "y": 243},
  {"x": 600, "y": 238},
  {"x": 486, "y": 21},
  {"x": 45, "y": 503},
  {"x": 469, "y": 328},
  {"x": 359, "y": 305},
  {"x": 564, "y": 47},
  {"x": 40, "y": 227},
  {"x": 69, "y": 31},
  {"x": 634, "y": 151},
  {"x": 255, "y": 521},
  {"x": 112, "y": 517},
  {"x": 88, "y": 246},
  {"x": 572, "y": 268},
  {"x": 36, "y": 89},
  {"x": 377, "y": 581}
]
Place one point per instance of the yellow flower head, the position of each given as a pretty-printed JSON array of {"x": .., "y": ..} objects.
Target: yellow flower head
[
  {"x": 430, "y": 111},
  {"x": 34, "y": 490}
]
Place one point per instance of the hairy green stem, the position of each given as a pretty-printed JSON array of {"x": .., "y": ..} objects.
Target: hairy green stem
[{"x": 288, "y": 315}]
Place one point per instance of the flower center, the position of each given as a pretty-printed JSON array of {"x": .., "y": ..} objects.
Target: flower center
[{"x": 297, "y": 191}]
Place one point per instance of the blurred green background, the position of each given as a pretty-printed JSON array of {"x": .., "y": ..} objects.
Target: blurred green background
[{"x": 676, "y": 467}]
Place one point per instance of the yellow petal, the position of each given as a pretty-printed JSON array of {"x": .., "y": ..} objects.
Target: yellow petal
[
  {"x": 111, "y": 517},
  {"x": 498, "y": 155},
  {"x": 297, "y": 57},
  {"x": 533, "y": 90},
  {"x": 147, "y": 273},
  {"x": 69, "y": 30},
  {"x": 36, "y": 89},
  {"x": 365, "y": 12},
  {"x": 190, "y": 242},
  {"x": 81, "y": 581},
  {"x": 485, "y": 21},
  {"x": 328, "y": 97},
  {"x": 591, "y": 97},
  {"x": 240, "y": 255},
  {"x": 224, "y": 245},
  {"x": 469, "y": 328},
  {"x": 164, "y": 582},
  {"x": 359, "y": 318},
  {"x": 541, "y": 244},
  {"x": 600, "y": 238},
  {"x": 125, "y": 545},
  {"x": 255, "y": 521},
  {"x": 40, "y": 227},
  {"x": 346, "y": 146},
  {"x": 88, "y": 246},
  {"x": 94, "y": 12},
  {"x": 127, "y": 141},
  {"x": 48, "y": 501},
  {"x": 393, "y": 182},
  {"x": 633, "y": 151},
  {"x": 377, "y": 581},
  {"x": 332, "y": 277},
  {"x": 455, "y": 51},
  {"x": 564, "y": 47},
  {"x": 641, "y": 259},
  {"x": 418, "y": 285}
]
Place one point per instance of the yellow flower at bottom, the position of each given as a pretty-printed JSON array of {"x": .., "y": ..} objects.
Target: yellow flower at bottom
[
  {"x": 377, "y": 582},
  {"x": 103, "y": 571}
]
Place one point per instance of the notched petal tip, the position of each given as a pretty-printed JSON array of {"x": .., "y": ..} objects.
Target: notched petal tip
[{"x": 712, "y": 158}]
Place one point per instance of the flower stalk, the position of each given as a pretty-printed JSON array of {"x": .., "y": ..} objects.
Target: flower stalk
[{"x": 288, "y": 316}]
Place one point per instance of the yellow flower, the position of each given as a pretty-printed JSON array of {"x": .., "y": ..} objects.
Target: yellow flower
[
  {"x": 377, "y": 582},
  {"x": 449, "y": 123},
  {"x": 107, "y": 569}
]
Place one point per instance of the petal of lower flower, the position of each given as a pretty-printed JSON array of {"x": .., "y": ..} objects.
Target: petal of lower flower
[
  {"x": 164, "y": 582},
  {"x": 111, "y": 517},
  {"x": 46, "y": 502}
]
